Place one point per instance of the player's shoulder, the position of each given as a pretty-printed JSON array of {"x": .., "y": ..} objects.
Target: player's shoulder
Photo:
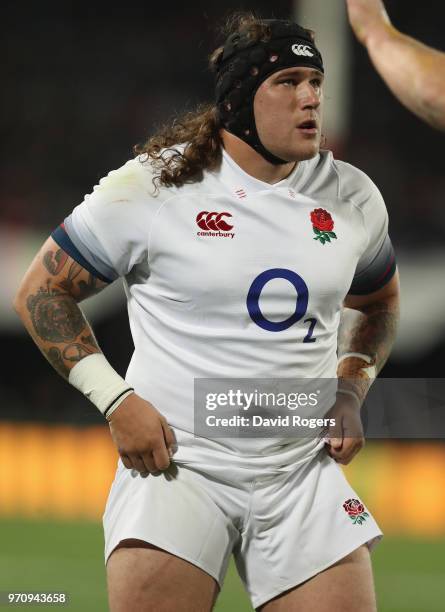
[
  {"x": 128, "y": 191},
  {"x": 328, "y": 177},
  {"x": 354, "y": 184},
  {"x": 134, "y": 178}
]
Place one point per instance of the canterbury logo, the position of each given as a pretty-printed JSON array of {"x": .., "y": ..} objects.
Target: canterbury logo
[
  {"x": 213, "y": 221},
  {"x": 302, "y": 50}
]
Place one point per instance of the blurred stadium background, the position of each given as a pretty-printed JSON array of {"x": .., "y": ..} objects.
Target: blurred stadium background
[{"x": 84, "y": 82}]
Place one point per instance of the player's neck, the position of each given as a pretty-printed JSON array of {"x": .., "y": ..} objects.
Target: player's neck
[{"x": 252, "y": 162}]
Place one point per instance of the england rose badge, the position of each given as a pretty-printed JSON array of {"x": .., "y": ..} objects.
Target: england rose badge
[
  {"x": 356, "y": 511},
  {"x": 323, "y": 224}
]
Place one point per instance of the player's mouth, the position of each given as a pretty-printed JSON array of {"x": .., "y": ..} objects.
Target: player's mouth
[{"x": 308, "y": 127}]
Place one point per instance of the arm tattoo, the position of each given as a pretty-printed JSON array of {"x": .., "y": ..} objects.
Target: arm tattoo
[
  {"x": 373, "y": 332},
  {"x": 75, "y": 352},
  {"x": 84, "y": 289},
  {"x": 87, "y": 289},
  {"x": 55, "y": 262},
  {"x": 54, "y": 357},
  {"x": 55, "y": 316},
  {"x": 68, "y": 283},
  {"x": 91, "y": 340},
  {"x": 370, "y": 331}
]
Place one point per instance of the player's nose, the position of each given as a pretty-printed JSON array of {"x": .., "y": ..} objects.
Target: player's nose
[{"x": 308, "y": 96}]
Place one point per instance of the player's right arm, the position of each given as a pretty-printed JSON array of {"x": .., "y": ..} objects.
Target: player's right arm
[
  {"x": 47, "y": 303},
  {"x": 413, "y": 71}
]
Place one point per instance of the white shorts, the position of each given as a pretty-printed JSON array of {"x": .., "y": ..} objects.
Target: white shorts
[{"x": 283, "y": 525}]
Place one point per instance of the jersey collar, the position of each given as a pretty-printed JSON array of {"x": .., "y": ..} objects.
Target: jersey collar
[{"x": 233, "y": 175}]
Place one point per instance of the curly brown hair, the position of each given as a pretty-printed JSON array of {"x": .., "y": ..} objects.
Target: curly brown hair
[{"x": 198, "y": 130}]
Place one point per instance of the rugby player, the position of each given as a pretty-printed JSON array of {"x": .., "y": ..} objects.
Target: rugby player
[
  {"x": 414, "y": 72},
  {"x": 239, "y": 242}
]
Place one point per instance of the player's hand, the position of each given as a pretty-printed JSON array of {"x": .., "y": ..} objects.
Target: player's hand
[
  {"x": 346, "y": 438},
  {"x": 366, "y": 17},
  {"x": 142, "y": 436}
]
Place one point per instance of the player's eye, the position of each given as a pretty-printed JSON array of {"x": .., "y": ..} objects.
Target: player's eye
[
  {"x": 288, "y": 81},
  {"x": 316, "y": 83}
]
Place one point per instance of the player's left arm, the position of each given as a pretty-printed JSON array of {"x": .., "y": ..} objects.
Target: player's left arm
[
  {"x": 373, "y": 331},
  {"x": 366, "y": 336}
]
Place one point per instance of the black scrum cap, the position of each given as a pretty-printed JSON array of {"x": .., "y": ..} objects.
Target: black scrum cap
[{"x": 246, "y": 63}]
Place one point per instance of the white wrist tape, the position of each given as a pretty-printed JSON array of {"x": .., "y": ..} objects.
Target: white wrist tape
[
  {"x": 371, "y": 371},
  {"x": 100, "y": 383}
]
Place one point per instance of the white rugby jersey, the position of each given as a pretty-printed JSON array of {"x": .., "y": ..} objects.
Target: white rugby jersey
[{"x": 232, "y": 277}]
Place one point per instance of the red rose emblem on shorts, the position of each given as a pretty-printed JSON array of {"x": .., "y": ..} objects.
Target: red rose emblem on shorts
[
  {"x": 322, "y": 224},
  {"x": 356, "y": 511}
]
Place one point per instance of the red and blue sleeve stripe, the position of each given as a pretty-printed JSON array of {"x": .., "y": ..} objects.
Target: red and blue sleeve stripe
[
  {"x": 377, "y": 274},
  {"x": 60, "y": 236}
]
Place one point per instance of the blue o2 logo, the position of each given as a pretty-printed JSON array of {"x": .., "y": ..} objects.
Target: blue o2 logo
[{"x": 302, "y": 299}]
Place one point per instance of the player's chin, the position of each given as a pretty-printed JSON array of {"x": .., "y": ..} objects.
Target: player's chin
[
  {"x": 302, "y": 151},
  {"x": 301, "y": 154}
]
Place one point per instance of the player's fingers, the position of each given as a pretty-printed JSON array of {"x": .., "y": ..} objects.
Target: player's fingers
[
  {"x": 334, "y": 442},
  {"x": 350, "y": 448},
  {"x": 127, "y": 462},
  {"x": 169, "y": 437},
  {"x": 334, "y": 434},
  {"x": 335, "y": 446},
  {"x": 149, "y": 463},
  {"x": 138, "y": 464},
  {"x": 161, "y": 456},
  {"x": 335, "y": 454}
]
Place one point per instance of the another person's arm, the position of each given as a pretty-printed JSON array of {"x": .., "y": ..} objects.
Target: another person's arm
[
  {"x": 47, "y": 302},
  {"x": 414, "y": 72}
]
